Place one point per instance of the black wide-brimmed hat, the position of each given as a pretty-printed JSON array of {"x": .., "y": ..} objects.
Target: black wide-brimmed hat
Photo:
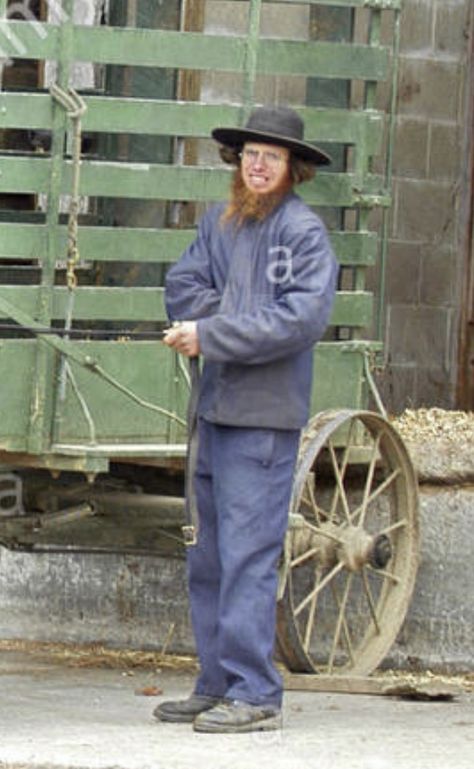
[{"x": 273, "y": 125}]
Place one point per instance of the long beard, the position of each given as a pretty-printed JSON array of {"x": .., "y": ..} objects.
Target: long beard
[{"x": 247, "y": 206}]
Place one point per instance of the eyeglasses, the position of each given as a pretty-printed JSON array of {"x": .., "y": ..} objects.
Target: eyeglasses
[{"x": 270, "y": 158}]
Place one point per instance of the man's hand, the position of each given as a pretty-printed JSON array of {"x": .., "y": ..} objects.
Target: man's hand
[{"x": 183, "y": 338}]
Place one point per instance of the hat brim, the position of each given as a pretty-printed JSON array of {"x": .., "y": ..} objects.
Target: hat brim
[{"x": 236, "y": 138}]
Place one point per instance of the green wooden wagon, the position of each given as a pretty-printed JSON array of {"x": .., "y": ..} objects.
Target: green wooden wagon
[{"x": 101, "y": 182}]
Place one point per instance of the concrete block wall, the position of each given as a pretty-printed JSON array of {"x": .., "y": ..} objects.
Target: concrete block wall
[{"x": 424, "y": 279}]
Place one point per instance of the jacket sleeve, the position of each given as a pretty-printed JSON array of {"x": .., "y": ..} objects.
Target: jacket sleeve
[
  {"x": 293, "y": 318},
  {"x": 190, "y": 290}
]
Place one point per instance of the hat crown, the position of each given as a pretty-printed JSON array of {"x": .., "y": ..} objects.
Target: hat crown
[{"x": 280, "y": 121}]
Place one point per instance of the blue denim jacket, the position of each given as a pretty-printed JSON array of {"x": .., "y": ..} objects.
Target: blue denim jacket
[{"x": 262, "y": 295}]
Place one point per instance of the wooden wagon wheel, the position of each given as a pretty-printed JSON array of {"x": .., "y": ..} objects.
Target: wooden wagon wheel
[{"x": 351, "y": 548}]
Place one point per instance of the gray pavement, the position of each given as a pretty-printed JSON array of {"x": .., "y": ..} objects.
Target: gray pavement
[{"x": 57, "y": 716}]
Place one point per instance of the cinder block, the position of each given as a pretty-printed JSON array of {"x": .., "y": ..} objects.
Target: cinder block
[
  {"x": 424, "y": 211},
  {"x": 434, "y": 386},
  {"x": 403, "y": 273},
  {"x": 284, "y": 22},
  {"x": 416, "y": 29},
  {"x": 429, "y": 88},
  {"x": 224, "y": 17},
  {"x": 418, "y": 334},
  {"x": 451, "y": 25},
  {"x": 438, "y": 284},
  {"x": 411, "y": 148},
  {"x": 444, "y": 151}
]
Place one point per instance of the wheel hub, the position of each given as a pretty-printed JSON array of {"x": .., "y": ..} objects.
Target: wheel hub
[{"x": 358, "y": 548}]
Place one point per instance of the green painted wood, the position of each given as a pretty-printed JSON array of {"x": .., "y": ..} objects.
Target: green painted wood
[
  {"x": 98, "y": 303},
  {"x": 164, "y": 182},
  {"x": 197, "y": 51},
  {"x": 338, "y": 378},
  {"x": 111, "y": 244},
  {"x": 17, "y": 364},
  {"x": 147, "y": 368},
  {"x": 187, "y": 119},
  {"x": 150, "y": 370},
  {"x": 331, "y": 60},
  {"x": 41, "y": 406}
]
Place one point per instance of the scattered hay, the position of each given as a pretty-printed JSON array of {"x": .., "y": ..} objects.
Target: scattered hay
[
  {"x": 427, "y": 424},
  {"x": 99, "y": 656},
  {"x": 425, "y": 678}
]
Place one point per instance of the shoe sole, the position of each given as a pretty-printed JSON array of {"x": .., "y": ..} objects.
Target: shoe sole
[
  {"x": 175, "y": 719},
  {"x": 265, "y": 725}
]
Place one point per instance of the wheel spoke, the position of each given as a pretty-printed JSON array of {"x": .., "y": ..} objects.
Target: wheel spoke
[
  {"x": 324, "y": 533},
  {"x": 339, "y": 623},
  {"x": 310, "y": 485},
  {"x": 311, "y": 614},
  {"x": 398, "y": 525},
  {"x": 345, "y": 460},
  {"x": 369, "y": 479},
  {"x": 304, "y": 557},
  {"x": 329, "y": 576},
  {"x": 345, "y": 626},
  {"x": 383, "y": 573},
  {"x": 340, "y": 484},
  {"x": 377, "y": 492},
  {"x": 370, "y": 600}
]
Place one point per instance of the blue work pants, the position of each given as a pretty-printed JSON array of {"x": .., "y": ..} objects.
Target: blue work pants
[{"x": 243, "y": 486}]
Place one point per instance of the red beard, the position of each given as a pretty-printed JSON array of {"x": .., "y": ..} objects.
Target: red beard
[{"x": 247, "y": 206}]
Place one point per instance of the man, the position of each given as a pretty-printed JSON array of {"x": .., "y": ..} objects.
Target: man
[{"x": 252, "y": 295}]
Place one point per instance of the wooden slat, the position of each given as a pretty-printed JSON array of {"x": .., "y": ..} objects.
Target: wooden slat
[
  {"x": 145, "y": 116},
  {"x": 197, "y": 51},
  {"x": 159, "y": 182},
  {"x": 326, "y": 60},
  {"x": 105, "y": 244},
  {"x": 352, "y": 308}
]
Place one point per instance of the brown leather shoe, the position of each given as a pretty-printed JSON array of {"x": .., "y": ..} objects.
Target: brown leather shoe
[
  {"x": 236, "y": 716},
  {"x": 184, "y": 711}
]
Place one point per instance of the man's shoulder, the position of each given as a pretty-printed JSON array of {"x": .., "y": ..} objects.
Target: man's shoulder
[{"x": 213, "y": 213}]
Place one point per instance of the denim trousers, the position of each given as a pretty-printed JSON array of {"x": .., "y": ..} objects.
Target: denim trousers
[{"x": 242, "y": 483}]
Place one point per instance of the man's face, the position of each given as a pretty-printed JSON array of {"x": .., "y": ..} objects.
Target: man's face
[{"x": 265, "y": 167}]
